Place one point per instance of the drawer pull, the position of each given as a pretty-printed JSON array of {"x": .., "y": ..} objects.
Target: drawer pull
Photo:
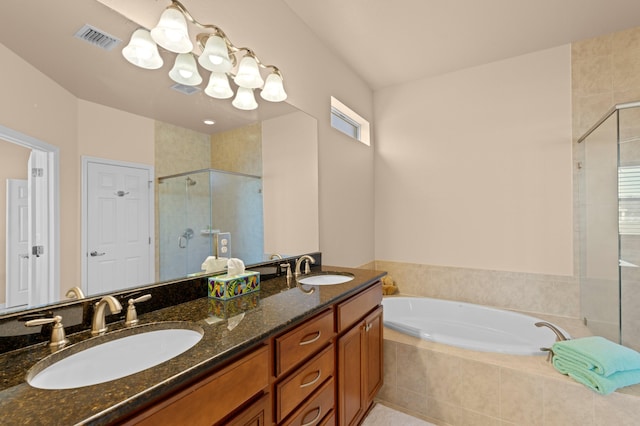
[
  {"x": 306, "y": 342},
  {"x": 314, "y": 381},
  {"x": 315, "y": 419}
]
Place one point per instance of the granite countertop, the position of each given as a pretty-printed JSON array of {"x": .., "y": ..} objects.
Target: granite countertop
[{"x": 266, "y": 313}]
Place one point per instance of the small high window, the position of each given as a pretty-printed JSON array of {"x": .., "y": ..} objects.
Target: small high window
[{"x": 348, "y": 122}]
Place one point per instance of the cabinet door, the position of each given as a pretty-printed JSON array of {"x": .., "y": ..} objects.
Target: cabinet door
[
  {"x": 374, "y": 361},
  {"x": 258, "y": 414},
  {"x": 351, "y": 396}
]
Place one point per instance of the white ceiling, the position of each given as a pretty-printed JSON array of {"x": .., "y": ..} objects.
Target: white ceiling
[
  {"x": 390, "y": 42},
  {"x": 385, "y": 42}
]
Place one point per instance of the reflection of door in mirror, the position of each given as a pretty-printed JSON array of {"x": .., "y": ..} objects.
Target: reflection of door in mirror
[
  {"x": 119, "y": 221},
  {"x": 17, "y": 243},
  {"x": 27, "y": 209}
]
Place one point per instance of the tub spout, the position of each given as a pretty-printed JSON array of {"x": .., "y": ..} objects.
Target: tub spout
[{"x": 559, "y": 337}]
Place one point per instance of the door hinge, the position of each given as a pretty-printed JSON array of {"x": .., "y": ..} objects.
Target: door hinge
[
  {"x": 37, "y": 172},
  {"x": 37, "y": 250}
]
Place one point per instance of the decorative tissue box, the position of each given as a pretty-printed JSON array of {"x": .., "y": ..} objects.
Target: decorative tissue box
[
  {"x": 225, "y": 309},
  {"x": 224, "y": 287}
]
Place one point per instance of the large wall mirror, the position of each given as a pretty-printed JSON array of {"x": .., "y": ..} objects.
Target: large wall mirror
[{"x": 94, "y": 107}]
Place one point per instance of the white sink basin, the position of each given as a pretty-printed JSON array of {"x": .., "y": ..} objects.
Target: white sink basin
[
  {"x": 106, "y": 358},
  {"x": 326, "y": 278}
]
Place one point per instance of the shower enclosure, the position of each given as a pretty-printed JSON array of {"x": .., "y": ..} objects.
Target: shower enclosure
[
  {"x": 195, "y": 207},
  {"x": 609, "y": 226}
]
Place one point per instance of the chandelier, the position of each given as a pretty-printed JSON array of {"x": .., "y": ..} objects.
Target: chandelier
[{"x": 218, "y": 55}]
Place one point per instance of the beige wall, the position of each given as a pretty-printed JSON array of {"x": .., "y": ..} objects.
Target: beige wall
[
  {"x": 34, "y": 105},
  {"x": 473, "y": 168},
  {"x": 112, "y": 134},
  {"x": 290, "y": 183}
]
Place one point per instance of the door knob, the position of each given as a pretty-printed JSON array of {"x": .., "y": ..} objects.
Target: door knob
[{"x": 95, "y": 253}]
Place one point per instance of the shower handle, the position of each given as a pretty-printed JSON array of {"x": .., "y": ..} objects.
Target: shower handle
[{"x": 185, "y": 237}]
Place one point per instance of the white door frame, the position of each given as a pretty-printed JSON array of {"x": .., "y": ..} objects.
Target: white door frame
[
  {"x": 49, "y": 216},
  {"x": 85, "y": 199}
]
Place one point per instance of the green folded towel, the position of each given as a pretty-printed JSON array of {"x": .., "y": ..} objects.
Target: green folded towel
[
  {"x": 604, "y": 385},
  {"x": 598, "y": 354}
]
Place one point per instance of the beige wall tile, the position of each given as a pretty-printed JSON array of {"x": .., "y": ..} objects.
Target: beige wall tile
[
  {"x": 479, "y": 387},
  {"x": 521, "y": 397},
  {"x": 411, "y": 369},
  {"x": 567, "y": 404},
  {"x": 444, "y": 378},
  {"x": 616, "y": 409}
]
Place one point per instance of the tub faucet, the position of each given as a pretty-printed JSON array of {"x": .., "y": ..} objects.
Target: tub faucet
[
  {"x": 559, "y": 337},
  {"x": 98, "y": 325},
  {"x": 302, "y": 259}
]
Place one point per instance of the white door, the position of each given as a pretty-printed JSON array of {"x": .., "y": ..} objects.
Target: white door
[
  {"x": 17, "y": 243},
  {"x": 119, "y": 252}
]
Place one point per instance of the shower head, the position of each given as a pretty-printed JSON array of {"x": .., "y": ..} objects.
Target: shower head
[{"x": 190, "y": 182}]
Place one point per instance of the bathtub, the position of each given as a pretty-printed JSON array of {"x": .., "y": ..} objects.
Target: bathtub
[{"x": 468, "y": 326}]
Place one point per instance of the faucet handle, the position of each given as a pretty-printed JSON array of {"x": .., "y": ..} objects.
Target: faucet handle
[
  {"x": 58, "y": 338},
  {"x": 132, "y": 314},
  {"x": 307, "y": 269},
  {"x": 287, "y": 266},
  {"x": 75, "y": 293}
]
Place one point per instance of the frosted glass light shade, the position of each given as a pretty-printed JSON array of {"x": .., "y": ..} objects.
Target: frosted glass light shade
[
  {"x": 215, "y": 56},
  {"x": 273, "y": 90},
  {"x": 244, "y": 99},
  {"x": 248, "y": 75},
  {"x": 185, "y": 70},
  {"x": 218, "y": 86},
  {"x": 142, "y": 51},
  {"x": 171, "y": 32}
]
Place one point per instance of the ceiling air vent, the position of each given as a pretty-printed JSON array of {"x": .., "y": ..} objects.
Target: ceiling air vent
[
  {"x": 187, "y": 90},
  {"x": 97, "y": 37}
]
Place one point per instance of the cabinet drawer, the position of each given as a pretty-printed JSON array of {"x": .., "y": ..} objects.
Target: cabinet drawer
[
  {"x": 213, "y": 398},
  {"x": 303, "y": 341},
  {"x": 316, "y": 409},
  {"x": 358, "y": 306},
  {"x": 302, "y": 383}
]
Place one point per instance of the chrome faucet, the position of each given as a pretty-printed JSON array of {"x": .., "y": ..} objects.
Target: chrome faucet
[
  {"x": 302, "y": 259},
  {"x": 98, "y": 326}
]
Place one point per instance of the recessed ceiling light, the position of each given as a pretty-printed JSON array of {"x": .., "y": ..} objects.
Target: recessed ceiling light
[{"x": 209, "y": 122}]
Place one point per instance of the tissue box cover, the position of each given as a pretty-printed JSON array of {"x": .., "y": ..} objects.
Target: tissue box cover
[
  {"x": 225, "y": 287},
  {"x": 226, "y": 309}
]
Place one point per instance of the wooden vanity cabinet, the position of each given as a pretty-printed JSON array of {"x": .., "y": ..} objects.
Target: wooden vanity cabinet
[
  {"x": 359, "y": 358},
  {"x": 215, "y": 397},
  {"x": 324, "y": 371}
]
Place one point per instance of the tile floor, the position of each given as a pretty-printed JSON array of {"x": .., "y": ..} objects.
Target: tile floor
[{"x": 382, "y": 415}]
